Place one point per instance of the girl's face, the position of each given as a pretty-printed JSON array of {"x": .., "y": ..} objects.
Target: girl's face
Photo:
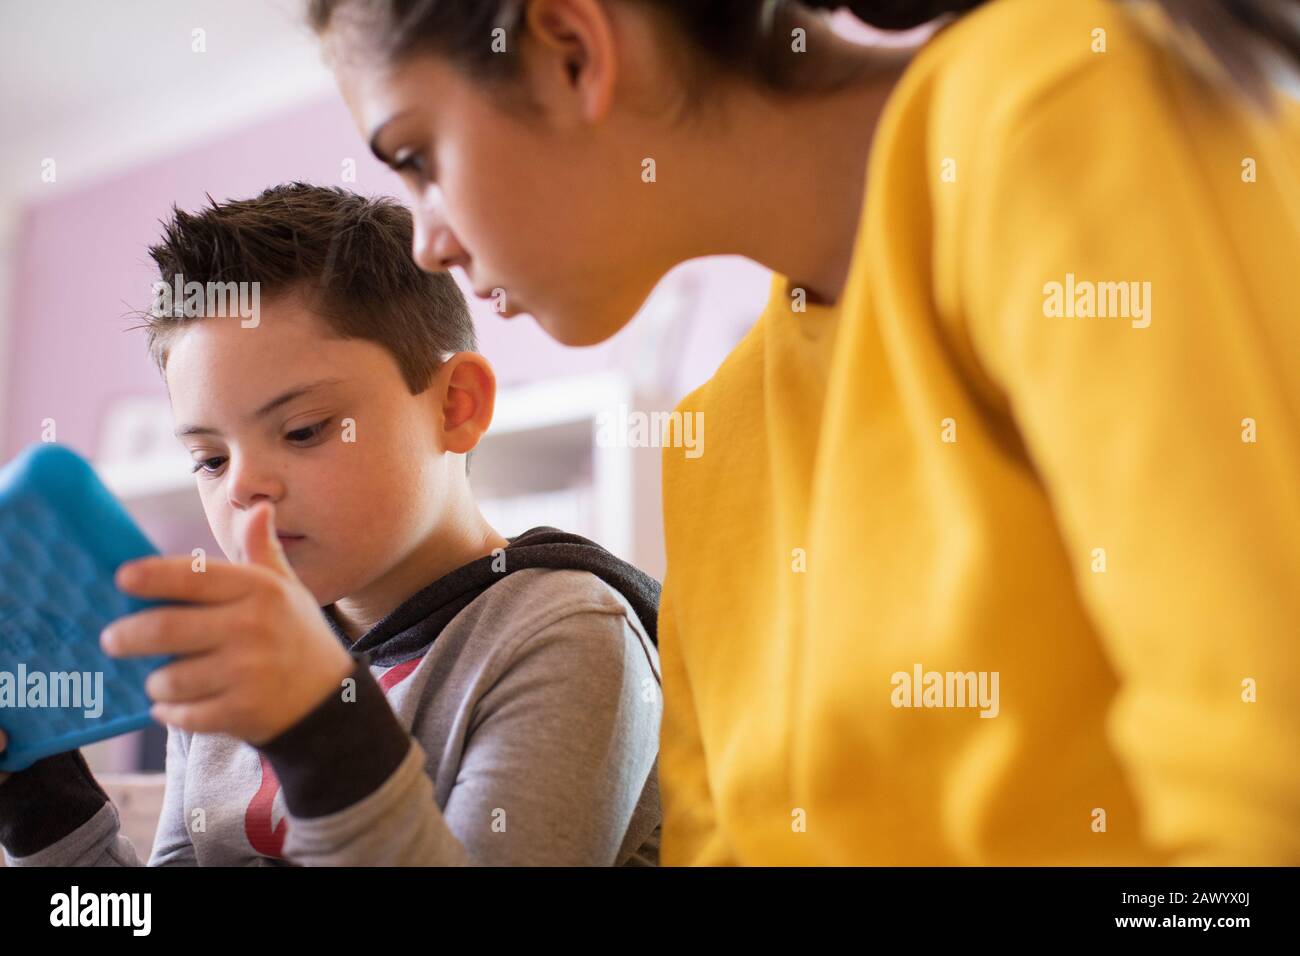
[{"x": 543, "y": 204}]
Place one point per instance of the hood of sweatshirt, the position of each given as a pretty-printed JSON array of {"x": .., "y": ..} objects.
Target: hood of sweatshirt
[{"x": 415, "y": 624}]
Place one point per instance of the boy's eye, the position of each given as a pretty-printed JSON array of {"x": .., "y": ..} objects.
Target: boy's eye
[
  {"x": 208, "y": 466},
  {"x": 308, "y": 433}
]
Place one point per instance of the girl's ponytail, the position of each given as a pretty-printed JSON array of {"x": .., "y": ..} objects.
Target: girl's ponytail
[
  {"x": 1242, "y": 35},
  {"x": 895, "y": 14}
]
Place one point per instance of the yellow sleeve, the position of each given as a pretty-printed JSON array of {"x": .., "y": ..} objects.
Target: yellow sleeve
[
  {"x": 1184, "y": 535},
  {"x": 691, "y": 836}
]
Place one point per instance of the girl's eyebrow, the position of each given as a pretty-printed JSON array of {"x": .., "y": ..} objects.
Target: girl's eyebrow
[{"x": 282, "y": 399}]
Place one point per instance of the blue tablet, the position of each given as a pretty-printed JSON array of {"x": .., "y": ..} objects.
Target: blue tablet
[{"x": 62, "y": 537}]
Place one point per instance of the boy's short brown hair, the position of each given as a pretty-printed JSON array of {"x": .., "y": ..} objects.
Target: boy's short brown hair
[{"x": 348, "y": 255}]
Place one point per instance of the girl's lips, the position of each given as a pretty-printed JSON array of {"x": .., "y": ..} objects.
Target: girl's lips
[{"x": 288, "y": 539}]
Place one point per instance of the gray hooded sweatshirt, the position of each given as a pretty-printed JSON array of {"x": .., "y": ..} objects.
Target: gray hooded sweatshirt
[{"x": 507, "y": 714}]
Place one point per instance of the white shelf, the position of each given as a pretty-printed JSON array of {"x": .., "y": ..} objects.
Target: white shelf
[{"x": 557, "y": 402}]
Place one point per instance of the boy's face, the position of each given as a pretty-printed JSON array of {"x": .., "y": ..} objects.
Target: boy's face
[{"x": 325, "y": 429}]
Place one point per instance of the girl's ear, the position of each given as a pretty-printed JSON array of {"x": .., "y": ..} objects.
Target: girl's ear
[
  {"x": 469, "y": 391},
  {"x": 572, "y": 63}
]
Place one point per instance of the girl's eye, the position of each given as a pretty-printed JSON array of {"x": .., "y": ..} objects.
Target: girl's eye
[
  {"x": 208, "y": 466},
  {"x": 300, "y": 435},
  {"x": 412, "y": 161}
]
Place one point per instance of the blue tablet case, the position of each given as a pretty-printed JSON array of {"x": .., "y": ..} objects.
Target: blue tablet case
[{"x": 62, "y": 537}]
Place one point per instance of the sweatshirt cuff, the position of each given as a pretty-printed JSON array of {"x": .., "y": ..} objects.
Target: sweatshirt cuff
[
  {"x": 340, "y": 752},
  {"x": 41, "y": 805}
]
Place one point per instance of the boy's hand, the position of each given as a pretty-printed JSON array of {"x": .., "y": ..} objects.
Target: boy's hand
[{"x": 258, "y": 654}]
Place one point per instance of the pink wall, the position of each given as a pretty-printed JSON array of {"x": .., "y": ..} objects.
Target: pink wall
[{"x": 81, "y": 266}]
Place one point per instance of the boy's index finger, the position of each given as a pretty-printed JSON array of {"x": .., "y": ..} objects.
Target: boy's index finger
[
  {"x": 171, "y": 629},
  {"x": 175, "y": 579}
]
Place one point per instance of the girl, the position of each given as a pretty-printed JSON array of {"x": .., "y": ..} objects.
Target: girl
[{"x": 1015, "y": 438}]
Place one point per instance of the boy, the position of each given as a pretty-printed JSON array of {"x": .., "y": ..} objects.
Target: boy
[{"x": 463, "y": 698}]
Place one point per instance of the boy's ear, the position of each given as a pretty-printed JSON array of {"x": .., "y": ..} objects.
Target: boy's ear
[{"x": 468, "y": 397}]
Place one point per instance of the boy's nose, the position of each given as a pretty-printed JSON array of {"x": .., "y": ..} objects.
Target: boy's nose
[{"x": 247, "y": 486}]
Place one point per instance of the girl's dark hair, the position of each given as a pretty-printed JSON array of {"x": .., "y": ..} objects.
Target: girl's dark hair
[{"x": 736, "y": 35}]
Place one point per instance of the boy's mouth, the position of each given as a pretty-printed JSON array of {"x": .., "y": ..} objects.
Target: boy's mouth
[{"x": 286, "y": 539}]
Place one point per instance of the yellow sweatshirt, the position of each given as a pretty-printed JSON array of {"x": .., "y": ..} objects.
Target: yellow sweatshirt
[{"x": 997, "y": 561}]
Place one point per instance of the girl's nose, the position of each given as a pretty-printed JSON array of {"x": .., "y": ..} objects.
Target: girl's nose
[{"x": 436, "y": 247}]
